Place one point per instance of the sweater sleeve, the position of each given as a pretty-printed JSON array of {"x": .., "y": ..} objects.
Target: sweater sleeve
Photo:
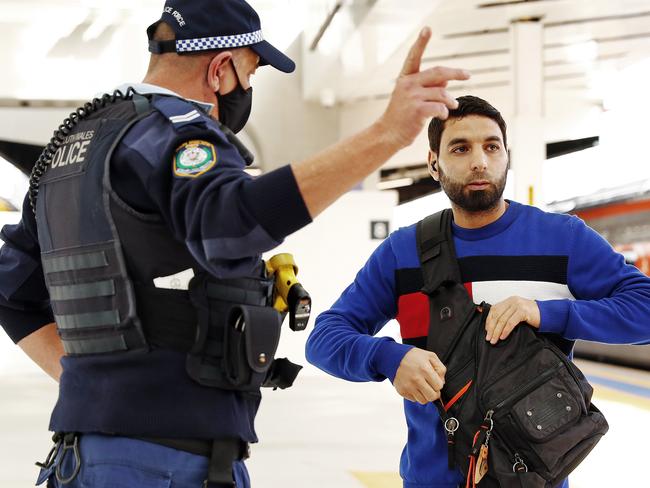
[
  {"x": 612, "y": 298},
  {"x": 342, "y": 341}
]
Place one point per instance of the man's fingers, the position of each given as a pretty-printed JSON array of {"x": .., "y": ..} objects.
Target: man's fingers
[
  {"x": 419, "y": 397},
  {"x": 434, "y": 380},
  {"x": 513, "y": 321},
  {"x": 438, "y": 366},
  {"x": 490, "y": 322},
  {"x": 493, "y": 320},
  {"x": 414, "y": 57},
  {"x": 440, "y": 75},
  {"x": 501, "y": 323},
  {"x": 429, "y": 393}
]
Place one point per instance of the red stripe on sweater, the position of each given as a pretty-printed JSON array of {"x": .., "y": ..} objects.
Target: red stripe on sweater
[
  {"x": 468, "y": 287},
  {"x": 413, "y": 315}
]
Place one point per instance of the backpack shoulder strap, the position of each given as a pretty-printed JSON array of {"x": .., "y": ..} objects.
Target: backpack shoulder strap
[
  {"x": 436, "y": 251},
  {"x": 449, "y": 303}
]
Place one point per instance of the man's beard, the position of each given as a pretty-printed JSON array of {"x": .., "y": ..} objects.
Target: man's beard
[{"x": 473, "y": 200}]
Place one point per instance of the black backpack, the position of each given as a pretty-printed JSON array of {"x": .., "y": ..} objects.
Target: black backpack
[{"x": 521, "y": 404}]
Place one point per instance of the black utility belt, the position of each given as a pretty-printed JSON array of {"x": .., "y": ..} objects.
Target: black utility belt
[
  {"x": 220, "y": 452},
  {"x": 202, "y": 447},
  {"x": 229, "y": 331}
]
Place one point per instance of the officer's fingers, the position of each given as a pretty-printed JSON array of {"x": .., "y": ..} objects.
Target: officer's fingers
[
  {"x": 437, "y": 94},
  {"x": 414, "y": 57},
  {"x": 433, "y": 109},
  {"x": 440, "y": 75}
]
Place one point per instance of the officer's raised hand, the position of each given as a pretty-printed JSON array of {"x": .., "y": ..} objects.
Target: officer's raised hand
[
  {"x": 419, "y": 95},
  {"x": 420, "y": 376}
]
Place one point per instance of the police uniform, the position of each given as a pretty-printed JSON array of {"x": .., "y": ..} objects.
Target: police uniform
[{"x": 145, "y": 192}]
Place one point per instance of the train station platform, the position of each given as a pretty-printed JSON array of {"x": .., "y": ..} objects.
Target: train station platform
[{"x": 328, "y": 433}]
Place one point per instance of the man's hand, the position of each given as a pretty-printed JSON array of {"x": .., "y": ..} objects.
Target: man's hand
[
  {"x": 419, "y": 95},
  {"x": 506, "y": 315},
  {"x": 420, "y": 376}
]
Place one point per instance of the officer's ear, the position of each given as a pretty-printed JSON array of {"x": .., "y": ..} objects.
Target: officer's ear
[
  {"x": 432, "y": 165},
  {"x": 216, "y": 69}
]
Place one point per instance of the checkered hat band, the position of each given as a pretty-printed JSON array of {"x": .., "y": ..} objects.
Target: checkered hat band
[{"x": 221, "y": 42}]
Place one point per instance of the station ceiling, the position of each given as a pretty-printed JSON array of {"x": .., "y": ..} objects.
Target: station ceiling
[{"x": 55, "y": 52}]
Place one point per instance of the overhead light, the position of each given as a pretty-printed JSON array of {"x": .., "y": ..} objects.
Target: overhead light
[{"x": 394, "y": 183}]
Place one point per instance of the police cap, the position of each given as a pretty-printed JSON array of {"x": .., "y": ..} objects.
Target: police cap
[{"x": 203, "y": 25}]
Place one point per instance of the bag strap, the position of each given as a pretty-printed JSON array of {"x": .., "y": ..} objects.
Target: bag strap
[
  {"x": 450, "y": 305},
  {"x": 436, "y": 251}
]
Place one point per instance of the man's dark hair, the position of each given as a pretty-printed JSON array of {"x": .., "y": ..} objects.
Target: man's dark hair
[{"x": 467, "y": 105}]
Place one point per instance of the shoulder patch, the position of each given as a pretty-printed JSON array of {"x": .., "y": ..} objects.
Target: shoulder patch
[{"x": 193, "y": 158}]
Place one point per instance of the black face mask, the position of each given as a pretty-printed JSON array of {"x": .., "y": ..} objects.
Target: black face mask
[{"x": 235, "y": 107}]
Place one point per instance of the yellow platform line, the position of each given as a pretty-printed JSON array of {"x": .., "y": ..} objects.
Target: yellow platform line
[
  {"x": 618, "y": 396},
  {"x": 378, "y": 479},
  {"x": 617, "y": 373}
]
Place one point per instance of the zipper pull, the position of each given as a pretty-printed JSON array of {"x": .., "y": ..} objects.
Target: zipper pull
[
  {"x": 451, "y": 426},
  {"x": 489, "y": 424},
  {"x": 520, "y": 465},
  {"x": 480, "y": 448}
]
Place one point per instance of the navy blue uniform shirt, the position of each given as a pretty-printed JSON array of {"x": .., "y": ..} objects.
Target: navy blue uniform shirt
[{"x": 225, "y": 217}]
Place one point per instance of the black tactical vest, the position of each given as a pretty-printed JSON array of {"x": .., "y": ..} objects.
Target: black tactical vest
[
  {"x": 91, "y": 292},
  {"x": 100, "y": 257}
]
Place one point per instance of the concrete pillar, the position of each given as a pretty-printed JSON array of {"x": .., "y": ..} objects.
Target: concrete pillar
[{"x": 528, "y": 149}]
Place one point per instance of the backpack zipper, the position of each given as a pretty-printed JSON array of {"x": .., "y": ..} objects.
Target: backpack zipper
[{"x": 525, "y": 389}]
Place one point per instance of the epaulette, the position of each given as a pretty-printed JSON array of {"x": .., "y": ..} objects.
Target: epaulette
[{"x": 179, "y": 112}]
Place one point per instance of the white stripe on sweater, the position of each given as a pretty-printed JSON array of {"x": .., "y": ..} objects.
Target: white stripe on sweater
[{"x": 496, "y": 291}]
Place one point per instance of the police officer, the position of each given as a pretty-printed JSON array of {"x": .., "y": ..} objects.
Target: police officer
[{"x": 134, "y": 276}]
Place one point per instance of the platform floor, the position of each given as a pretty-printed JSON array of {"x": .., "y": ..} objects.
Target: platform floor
[{"x": 330, "y": 433}]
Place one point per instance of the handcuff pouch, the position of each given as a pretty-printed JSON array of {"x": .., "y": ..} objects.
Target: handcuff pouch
[{"x": 251, "y": 339}]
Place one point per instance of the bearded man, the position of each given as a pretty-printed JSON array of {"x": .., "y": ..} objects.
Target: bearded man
[{"x": 548, "y": 270}]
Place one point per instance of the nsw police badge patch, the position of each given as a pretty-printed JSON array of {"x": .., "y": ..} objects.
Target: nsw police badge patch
[{"x": 193, "y": 158}]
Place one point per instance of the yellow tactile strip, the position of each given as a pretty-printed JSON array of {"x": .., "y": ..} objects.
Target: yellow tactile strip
[{"x": 378, "y": 479}]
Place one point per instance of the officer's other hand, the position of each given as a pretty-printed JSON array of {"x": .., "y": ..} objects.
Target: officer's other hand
[
  {"x": 419, "y": 95},
  {"x": 420, "y": 376},
  {"x": 506, "y": 315}
]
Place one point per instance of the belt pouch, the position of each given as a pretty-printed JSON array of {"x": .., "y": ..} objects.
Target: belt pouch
[{"x": 251, "y": 339}]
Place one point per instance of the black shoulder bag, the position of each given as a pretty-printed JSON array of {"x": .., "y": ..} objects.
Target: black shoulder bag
[{"x": 517, "y": 414}]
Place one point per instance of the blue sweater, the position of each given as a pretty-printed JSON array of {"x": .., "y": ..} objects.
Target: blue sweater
[{"x": 583, "y": 288}]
